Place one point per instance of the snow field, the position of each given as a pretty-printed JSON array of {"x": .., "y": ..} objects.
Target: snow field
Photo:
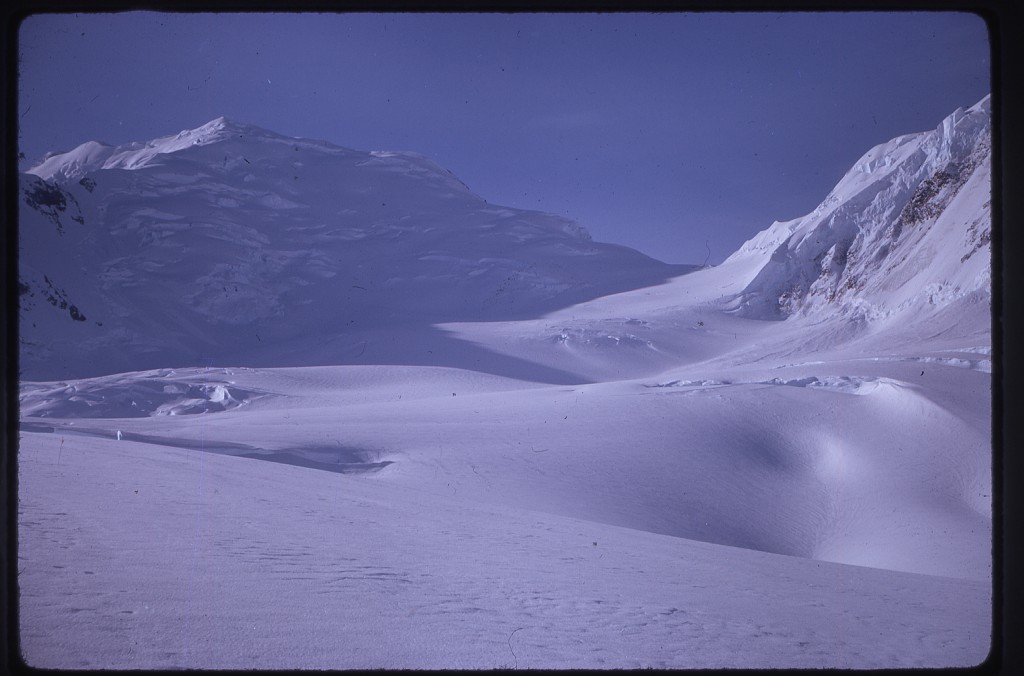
[
  {"x": 162, "y": 558},
  {"x": 822, "y": 467}
]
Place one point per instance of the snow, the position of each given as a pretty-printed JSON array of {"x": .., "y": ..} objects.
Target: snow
[
  {"x": 628, "y": 469},
  {"x": 92, "y": 155},
  {"x": 156, "y": 556}
]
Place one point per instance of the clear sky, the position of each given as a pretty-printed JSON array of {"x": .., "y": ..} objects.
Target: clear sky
[{"x": 674, "y": 134}]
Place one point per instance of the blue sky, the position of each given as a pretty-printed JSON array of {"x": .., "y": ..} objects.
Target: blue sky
[{"x": 676, "y": 134}]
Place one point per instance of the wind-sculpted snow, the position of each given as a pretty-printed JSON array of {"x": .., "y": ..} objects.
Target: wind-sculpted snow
[
  {"x": 984, "y": 365},
  {"x": 845, "y": 384},
  {"x": 134, "y": 395}
]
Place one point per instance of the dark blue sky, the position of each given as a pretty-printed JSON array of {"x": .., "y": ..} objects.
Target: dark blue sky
[{"x": 660, "y": 132}]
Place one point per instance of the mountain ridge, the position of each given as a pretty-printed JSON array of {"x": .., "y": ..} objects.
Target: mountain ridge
[{"x": 817, "y": 263}]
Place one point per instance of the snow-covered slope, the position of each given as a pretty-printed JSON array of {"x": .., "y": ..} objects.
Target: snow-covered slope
[
  {"x": 230, "y": 242},
  {"x": 141, "y": 556}
]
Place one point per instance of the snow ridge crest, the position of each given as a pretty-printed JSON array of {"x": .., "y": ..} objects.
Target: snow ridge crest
[{"x": 95, "y": 155}]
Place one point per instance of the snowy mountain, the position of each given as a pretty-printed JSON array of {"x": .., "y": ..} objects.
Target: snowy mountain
[
  {"x": 905, "y": 227},
  {"x": 233, "y": 243}
]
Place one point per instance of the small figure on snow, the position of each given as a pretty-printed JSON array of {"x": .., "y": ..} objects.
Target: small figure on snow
[{"x": 119, "y": 435}]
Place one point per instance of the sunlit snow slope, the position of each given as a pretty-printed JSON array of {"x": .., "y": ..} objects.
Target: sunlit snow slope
[{"x": 781, "y": 461}]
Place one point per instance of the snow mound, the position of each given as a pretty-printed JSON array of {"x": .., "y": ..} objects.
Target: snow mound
[
  {"x": 692, "y": 383},
  {"x": 160, "y": 393},
  {"x": 598, "y": 338},
  {"x": 844, "y": 384},
  {"x": 983, "y": 365}
]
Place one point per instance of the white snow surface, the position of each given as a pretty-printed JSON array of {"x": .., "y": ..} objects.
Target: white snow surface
[{"x": 666, "y": 475}]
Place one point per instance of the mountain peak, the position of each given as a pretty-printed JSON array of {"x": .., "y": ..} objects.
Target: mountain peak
[
  {"x": 222, "y": 127},
  {"x": 873, "y": 233},
  {"x": 93, "y": 155}
]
